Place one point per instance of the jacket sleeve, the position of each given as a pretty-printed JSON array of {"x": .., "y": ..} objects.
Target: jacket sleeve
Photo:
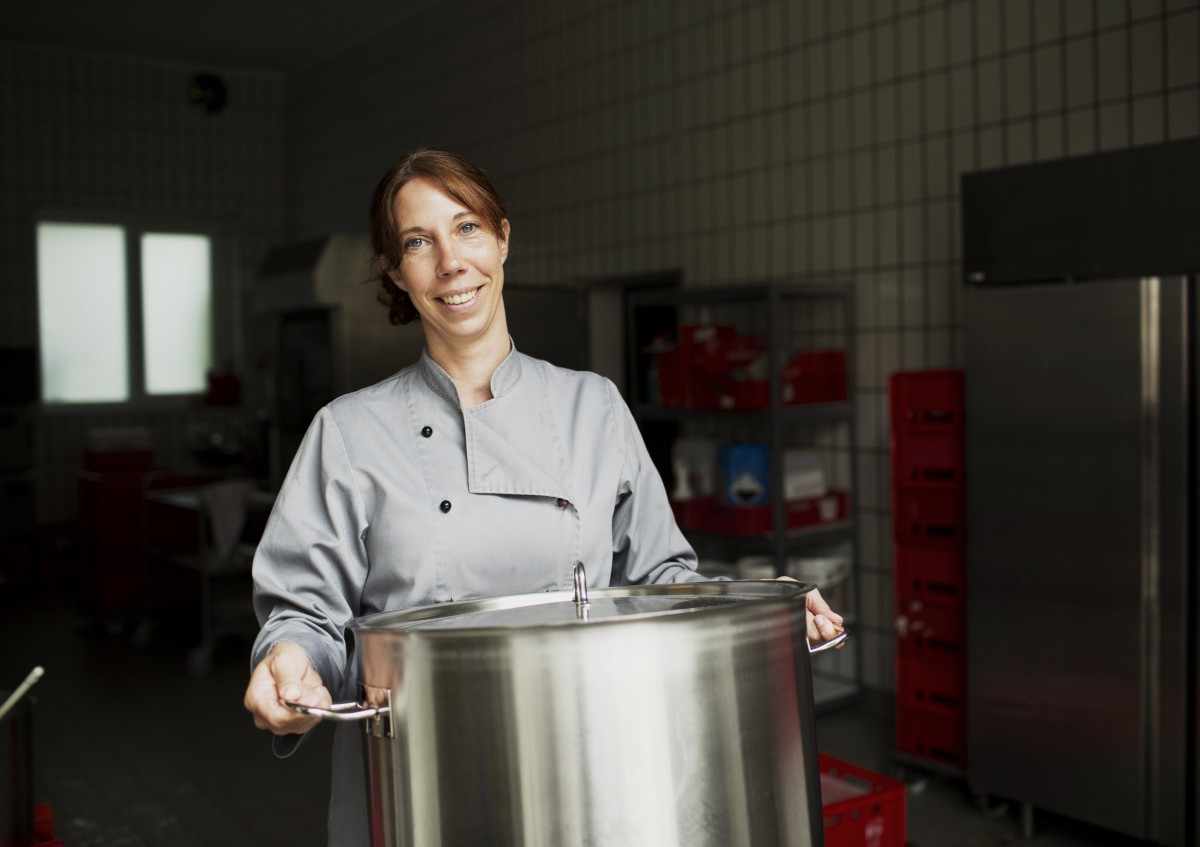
[
  {"x": 311, "y": 563},
  {"x": 647, "y": 543}
]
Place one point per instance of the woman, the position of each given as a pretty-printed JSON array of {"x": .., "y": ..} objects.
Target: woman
[{"x": 475, "y": 472}]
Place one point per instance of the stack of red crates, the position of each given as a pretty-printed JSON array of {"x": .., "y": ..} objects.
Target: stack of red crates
[
  {"x": 861, "y": 808},
  {"x": 929, "y": 528}
]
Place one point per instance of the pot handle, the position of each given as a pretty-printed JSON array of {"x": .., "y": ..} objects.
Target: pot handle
[
  {"x": 377, "y": 718},
  {"x": 833, "y": 642},
  {"x": 344, "y": 712}
]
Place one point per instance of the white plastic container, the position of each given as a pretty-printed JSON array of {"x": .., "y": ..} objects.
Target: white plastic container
[
  {"x": 694, "y": 461},
  {"x": 755, "y": 567},
  {"x": 824, "y": 570},
  {"x": 803, "y": 474},
  {"x": 828, "y": 571}
]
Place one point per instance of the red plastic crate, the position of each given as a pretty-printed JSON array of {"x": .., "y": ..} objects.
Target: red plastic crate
[
  {"x": 723, "y": 355},
  {"x": 927, "y": 460},
  {"x": 928, "y": 400},
  {"x": 929, "y": 629},
  {"x": 695, "y": 513},
  {"x": 705, "y": 370},
  {"x": 118, "y": 461},
  {"x": 703, "y": 354},
  {"x": 860, "y": 808},
  {"x": 43, "y": 827},
  {"x": 710, "y": 515},
  {"x": 932, "y": 736},
  {"x": 932, "y": 684},
  {"x": 754, "y": 394},
  {"x": 929, "y": 518},
  {"x": 814, "y": 376},
  {"x": 930, "y": 573}
]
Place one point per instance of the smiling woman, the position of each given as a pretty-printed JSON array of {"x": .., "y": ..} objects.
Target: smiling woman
[
  {"x": 460, "y": 180},
  {"x": 451, "y": 269},
  {"x": 476, "y": 472}
]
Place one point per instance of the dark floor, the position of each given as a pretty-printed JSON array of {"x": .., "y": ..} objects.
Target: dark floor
[
  {"x": 130, "y": 750},
  {"x": 942, "y": 810}
]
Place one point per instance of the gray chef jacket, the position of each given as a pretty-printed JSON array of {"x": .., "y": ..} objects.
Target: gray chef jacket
[{"x": 399, "y": 497}]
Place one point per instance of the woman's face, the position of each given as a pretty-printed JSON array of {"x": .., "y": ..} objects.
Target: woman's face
[{"x": 451, "y": 268}]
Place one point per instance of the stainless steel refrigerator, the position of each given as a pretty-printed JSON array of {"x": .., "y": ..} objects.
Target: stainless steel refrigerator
[{"x": 1082, "y": 557}]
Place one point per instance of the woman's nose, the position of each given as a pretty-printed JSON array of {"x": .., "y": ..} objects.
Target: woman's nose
[{"x": 448, "y": 260}]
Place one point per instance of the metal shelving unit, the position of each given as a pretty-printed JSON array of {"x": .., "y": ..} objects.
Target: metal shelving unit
[{"x": 792, "y": 317}]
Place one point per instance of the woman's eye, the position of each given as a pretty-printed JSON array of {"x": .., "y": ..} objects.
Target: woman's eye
[
  {"x": 414, "y": 244},
  {"x": 469, "y": 228}
]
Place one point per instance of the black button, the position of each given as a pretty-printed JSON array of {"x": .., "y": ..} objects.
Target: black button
[
  {"x": 561, "y": 503},
  {"x": 445, "y": 507},
  {"x": 426, "y": 431}
]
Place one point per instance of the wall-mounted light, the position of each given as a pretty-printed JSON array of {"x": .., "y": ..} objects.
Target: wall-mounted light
[{"x": 206, "y": 92}]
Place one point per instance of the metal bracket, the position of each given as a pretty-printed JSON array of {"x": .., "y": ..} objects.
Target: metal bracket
[{"x": 379, "y": 725}]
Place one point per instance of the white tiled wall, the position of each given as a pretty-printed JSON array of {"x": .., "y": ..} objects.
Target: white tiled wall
[
  {"x": 97, "y": 135},
  {"x": 739, "y": 141}
]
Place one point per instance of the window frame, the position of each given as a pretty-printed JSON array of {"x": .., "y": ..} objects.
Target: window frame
[{"x": 225, "y": 310}]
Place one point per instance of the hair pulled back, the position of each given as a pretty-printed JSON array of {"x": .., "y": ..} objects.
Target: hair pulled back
[{"x": 460, "y": 178}]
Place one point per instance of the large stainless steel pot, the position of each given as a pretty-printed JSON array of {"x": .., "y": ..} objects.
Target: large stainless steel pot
[{"x": 643, "y": 716}]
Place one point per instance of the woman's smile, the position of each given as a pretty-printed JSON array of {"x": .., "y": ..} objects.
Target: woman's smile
[{"x": 459, "y": 298}]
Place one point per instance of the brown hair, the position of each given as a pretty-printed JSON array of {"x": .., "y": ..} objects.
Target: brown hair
[{"x": 460, "y": 178}]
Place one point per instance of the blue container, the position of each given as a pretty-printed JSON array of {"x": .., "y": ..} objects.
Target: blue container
[{"x": 745, "y": 472}]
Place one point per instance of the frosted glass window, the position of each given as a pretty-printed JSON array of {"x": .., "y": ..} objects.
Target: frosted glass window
[
  {"x": 115, "y": 328},
  {"x": 176, "y": 312},
  {"x": 82, "y": 313}
]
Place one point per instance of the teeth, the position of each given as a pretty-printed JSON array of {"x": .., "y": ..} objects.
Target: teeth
[{"x": 459, "y": 299}]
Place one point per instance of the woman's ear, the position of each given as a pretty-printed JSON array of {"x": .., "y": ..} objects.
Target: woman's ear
[
  {"x": 504, "y": 229},
  {"x": 392, "y": 274}
]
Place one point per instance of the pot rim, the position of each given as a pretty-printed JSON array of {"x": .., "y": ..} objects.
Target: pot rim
[{"x": 753, "y": 594}]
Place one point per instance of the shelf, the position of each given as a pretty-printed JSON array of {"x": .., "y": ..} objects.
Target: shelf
[
  {"x": 704, "y": 295},
  {"x": 825, "y": 533},
  {"x": 816, "y": 412},
  {"x": 828, "y": 693},
  {"x": 751, "y": 346}
]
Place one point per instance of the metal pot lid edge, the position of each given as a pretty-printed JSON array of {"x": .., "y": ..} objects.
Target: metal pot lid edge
[{"x": 510, "y": 613}]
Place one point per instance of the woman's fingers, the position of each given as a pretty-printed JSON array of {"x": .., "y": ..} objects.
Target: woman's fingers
[
  {"x": 821, "y": 628},
  {"x": 824, "y": 624},
  {"x": 816, "y": 604},
  {"x": 285, "y": 675}
]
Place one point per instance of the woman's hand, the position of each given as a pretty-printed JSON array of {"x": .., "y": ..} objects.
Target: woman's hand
[
  {"x": 285, "y": 674},
  {"x": 824, "y": 624}
]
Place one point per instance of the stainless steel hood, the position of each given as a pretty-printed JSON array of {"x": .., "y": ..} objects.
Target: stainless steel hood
[
  {"x": 313, "y": 272},
  {"x": 334, "y": 274},
  {"x": 316, "y": 308}
]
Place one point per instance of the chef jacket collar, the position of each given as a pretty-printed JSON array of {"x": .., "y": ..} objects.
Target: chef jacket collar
[{"x": 504, "y": 378}]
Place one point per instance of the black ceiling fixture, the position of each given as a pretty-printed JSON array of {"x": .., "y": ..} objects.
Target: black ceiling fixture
[{"x": 206, "y": 92}]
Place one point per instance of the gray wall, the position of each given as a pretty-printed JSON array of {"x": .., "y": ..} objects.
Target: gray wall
[
  {"x": 104, "y": 135},
  {"x": 743, "y": 141}
]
